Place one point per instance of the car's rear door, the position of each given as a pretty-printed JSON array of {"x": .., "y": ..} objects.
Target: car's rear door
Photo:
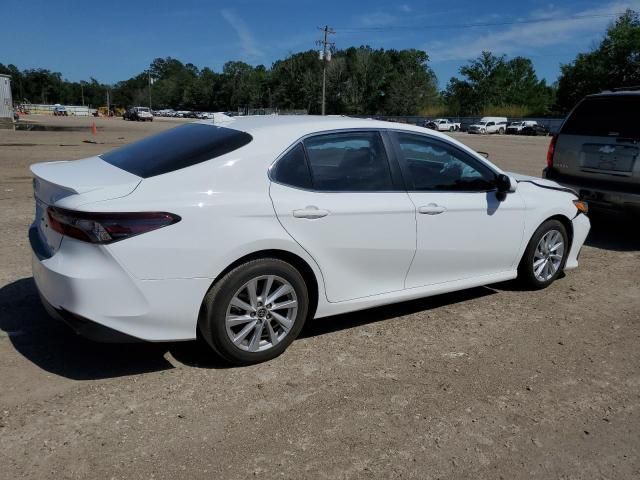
[
  {"x": 464, "y": 229},
  {"x": 338, "y": 196}
]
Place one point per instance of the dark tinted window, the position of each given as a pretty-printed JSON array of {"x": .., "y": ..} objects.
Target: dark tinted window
[
  {"x": 434, "y": 166},
  {"x": 177, "y": 148},
  {"x": 615, "y": 116},
  {"x": 292, "y": 169},
  {"x": 348, "y": 162}
]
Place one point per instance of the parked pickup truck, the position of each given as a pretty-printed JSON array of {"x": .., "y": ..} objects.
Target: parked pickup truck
[
  {"x": 443, "y": 125},
  {"x": 490, "y": 125},
  {"x": 515, "y": 128}
]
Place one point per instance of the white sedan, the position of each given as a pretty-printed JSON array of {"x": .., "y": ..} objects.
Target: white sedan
[{"x": 240, "y": 231}]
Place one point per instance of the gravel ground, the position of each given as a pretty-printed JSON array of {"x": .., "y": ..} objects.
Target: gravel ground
[{"x": 493, "y": 382}]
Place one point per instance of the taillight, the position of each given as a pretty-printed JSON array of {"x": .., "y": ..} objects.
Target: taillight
[
  {"x": 551, "y": 151},
  {"x": 100, "y": 227}
]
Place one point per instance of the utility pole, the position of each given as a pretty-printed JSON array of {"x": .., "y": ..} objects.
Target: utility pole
[
  {"x": 150, "y": 89},
  {"x": 325, "y": 56},
  {"x": 82, "y": 91}
]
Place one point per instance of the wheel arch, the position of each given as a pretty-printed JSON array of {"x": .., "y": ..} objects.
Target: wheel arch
[
  {"x": 309, "y": 276},
  {"x": 566, "y": 222}
]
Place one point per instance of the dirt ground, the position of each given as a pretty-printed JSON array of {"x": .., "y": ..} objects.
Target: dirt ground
[{"x": 493, "y": 382}]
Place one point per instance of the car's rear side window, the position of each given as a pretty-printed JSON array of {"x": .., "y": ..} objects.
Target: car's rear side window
[
  {"x": 606, "y": 116},
  {"x": 177, "y": 148},
  {"x": 354, "y": 162},
  {"x": 292, "y": 169}
]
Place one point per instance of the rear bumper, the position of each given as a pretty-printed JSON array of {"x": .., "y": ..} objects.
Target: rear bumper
[
  {"x": 87, "y": 328},
  {"x": 597, "y": 192},
  {"x": 87, "y": 288}
]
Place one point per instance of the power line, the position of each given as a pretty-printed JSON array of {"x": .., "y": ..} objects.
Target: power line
[
  {"x": 476, "y": 25},
  {"x": 325, "y": 56}
]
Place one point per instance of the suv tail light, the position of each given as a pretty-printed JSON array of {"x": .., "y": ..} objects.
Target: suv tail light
[
  {"x": 99, "y": 227},
  {"x": 551, "y": 151}
]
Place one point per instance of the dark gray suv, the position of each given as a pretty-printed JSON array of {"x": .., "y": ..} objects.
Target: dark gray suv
[{"x": 596, "y": 150}]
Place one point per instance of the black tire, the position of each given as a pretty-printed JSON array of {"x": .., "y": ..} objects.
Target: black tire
[
  {"x": 212, "y": 322},
  {"x": 501, "y": 131},
  {"x": 526, "y": 273}
]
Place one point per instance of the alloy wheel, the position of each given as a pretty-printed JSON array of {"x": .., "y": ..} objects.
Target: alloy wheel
[
  {"x": 548, "y": 255},
  {"x": 261, "y": 313}
]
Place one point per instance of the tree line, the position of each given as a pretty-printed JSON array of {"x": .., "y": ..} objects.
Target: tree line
[{"x": 360, "y": 81}]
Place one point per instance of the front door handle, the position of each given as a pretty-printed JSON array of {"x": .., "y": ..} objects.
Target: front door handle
[
  {"x": 311, "y": 212},
  {"x": 431, "y": 209}
]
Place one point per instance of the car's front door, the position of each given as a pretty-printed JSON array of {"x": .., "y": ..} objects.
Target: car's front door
[
  {"x": 465, "y": 228},
  {"x": 338, "y": 197}
]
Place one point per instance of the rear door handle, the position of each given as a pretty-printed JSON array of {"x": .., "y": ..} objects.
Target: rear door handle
[
  {"x": 431, "y": 209},
  {"x": 310, "y": 212}
]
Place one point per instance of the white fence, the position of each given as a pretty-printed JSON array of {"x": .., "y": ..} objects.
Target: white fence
[{"x": 76, "y": 110}]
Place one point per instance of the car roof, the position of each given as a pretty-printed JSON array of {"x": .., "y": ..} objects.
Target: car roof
[
  {"x": 300, "y": 125},
  {"x": 616, "y": 93},
  {"x": 277, "y": 132}
]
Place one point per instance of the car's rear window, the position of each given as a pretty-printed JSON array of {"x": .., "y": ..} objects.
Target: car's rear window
[
  {"x": 177, "y": 148},
  {"x": 612, "y": 116}
]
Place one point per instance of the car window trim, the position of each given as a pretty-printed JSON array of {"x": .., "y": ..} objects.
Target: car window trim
[
  {"x": 398, "y": 185},
  {"x": 393, "y": 134}
]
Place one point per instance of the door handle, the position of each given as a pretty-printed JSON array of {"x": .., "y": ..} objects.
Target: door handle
[
  {"x": 311, "y": 212},
  {"x": 431, "y": 209}
]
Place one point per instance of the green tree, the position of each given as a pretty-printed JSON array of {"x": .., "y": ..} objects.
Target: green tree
[
  {"x": 493, "y": 82},
  {"x": 614, "y": 63}
]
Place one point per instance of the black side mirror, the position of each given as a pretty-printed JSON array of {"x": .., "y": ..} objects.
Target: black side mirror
[{"x": 503, "y": 183}]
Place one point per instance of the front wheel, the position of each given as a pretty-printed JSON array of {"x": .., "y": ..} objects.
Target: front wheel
[
  {"x": 255, "y": 311},
  {"x": 545, "y": 256}
]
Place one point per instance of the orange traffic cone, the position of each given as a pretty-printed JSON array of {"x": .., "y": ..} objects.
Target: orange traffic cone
[{"x": 94, "y": 130}]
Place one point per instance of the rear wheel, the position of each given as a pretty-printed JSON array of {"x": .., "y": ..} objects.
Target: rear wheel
[
  {"x": 501, "y": 131},
  {"x": 545, "y": 256},
  {"x": 255, "y": 311}
]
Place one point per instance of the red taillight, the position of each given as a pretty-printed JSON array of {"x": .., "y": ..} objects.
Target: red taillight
[
  {"x": 100, "y": 227},
  {"x": 551, "y": 151}
]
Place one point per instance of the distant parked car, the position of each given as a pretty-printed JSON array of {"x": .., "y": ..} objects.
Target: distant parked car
[
  {"x": 490, "y": 125},
  {"x": 515, "y": 128},
  {"x": 60, "y": 111},
  {"x": 533, "y": 130},
  {"x": 597, "y": 151},
  {"x": 142, "y": 114},
  {"x": 443, "y": 125}
]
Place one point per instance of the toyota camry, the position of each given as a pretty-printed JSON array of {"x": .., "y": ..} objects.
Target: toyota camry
[{"x": 240, "y": 231}]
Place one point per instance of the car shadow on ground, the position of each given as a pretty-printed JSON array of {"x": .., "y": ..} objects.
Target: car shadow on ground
[
  {"x": 55, "y": 348},
  {"x": 615, "y": 231}
]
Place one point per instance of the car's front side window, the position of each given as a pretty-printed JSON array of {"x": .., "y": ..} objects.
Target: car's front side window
[
  {"x": 352, "y": 161},
  {"x": 431, "y": 165}
]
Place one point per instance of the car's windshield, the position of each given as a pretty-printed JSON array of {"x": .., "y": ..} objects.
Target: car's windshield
[{"x": 143, "y": 109}]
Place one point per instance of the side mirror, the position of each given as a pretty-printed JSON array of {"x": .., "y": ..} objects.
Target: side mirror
[{"x": 506, "y": 184}]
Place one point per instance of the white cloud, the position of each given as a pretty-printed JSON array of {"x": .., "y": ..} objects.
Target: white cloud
[
  {"x": 377, "y": 19},
  {"x": 406, "y": 8},
  {"x": 247, "y": 41},
  {"x": 527, "y": 37}
]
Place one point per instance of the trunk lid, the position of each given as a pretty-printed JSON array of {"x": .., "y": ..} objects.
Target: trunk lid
[{"x": 74, "y": 183}]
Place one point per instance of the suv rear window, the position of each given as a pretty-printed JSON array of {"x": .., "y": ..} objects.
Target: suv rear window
[
  {"x": 612, "y": 116},
  {"x": 177, "y": 148}
]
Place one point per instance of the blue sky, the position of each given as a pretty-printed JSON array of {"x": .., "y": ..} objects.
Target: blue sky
[{"x": 114, "y": 40}]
